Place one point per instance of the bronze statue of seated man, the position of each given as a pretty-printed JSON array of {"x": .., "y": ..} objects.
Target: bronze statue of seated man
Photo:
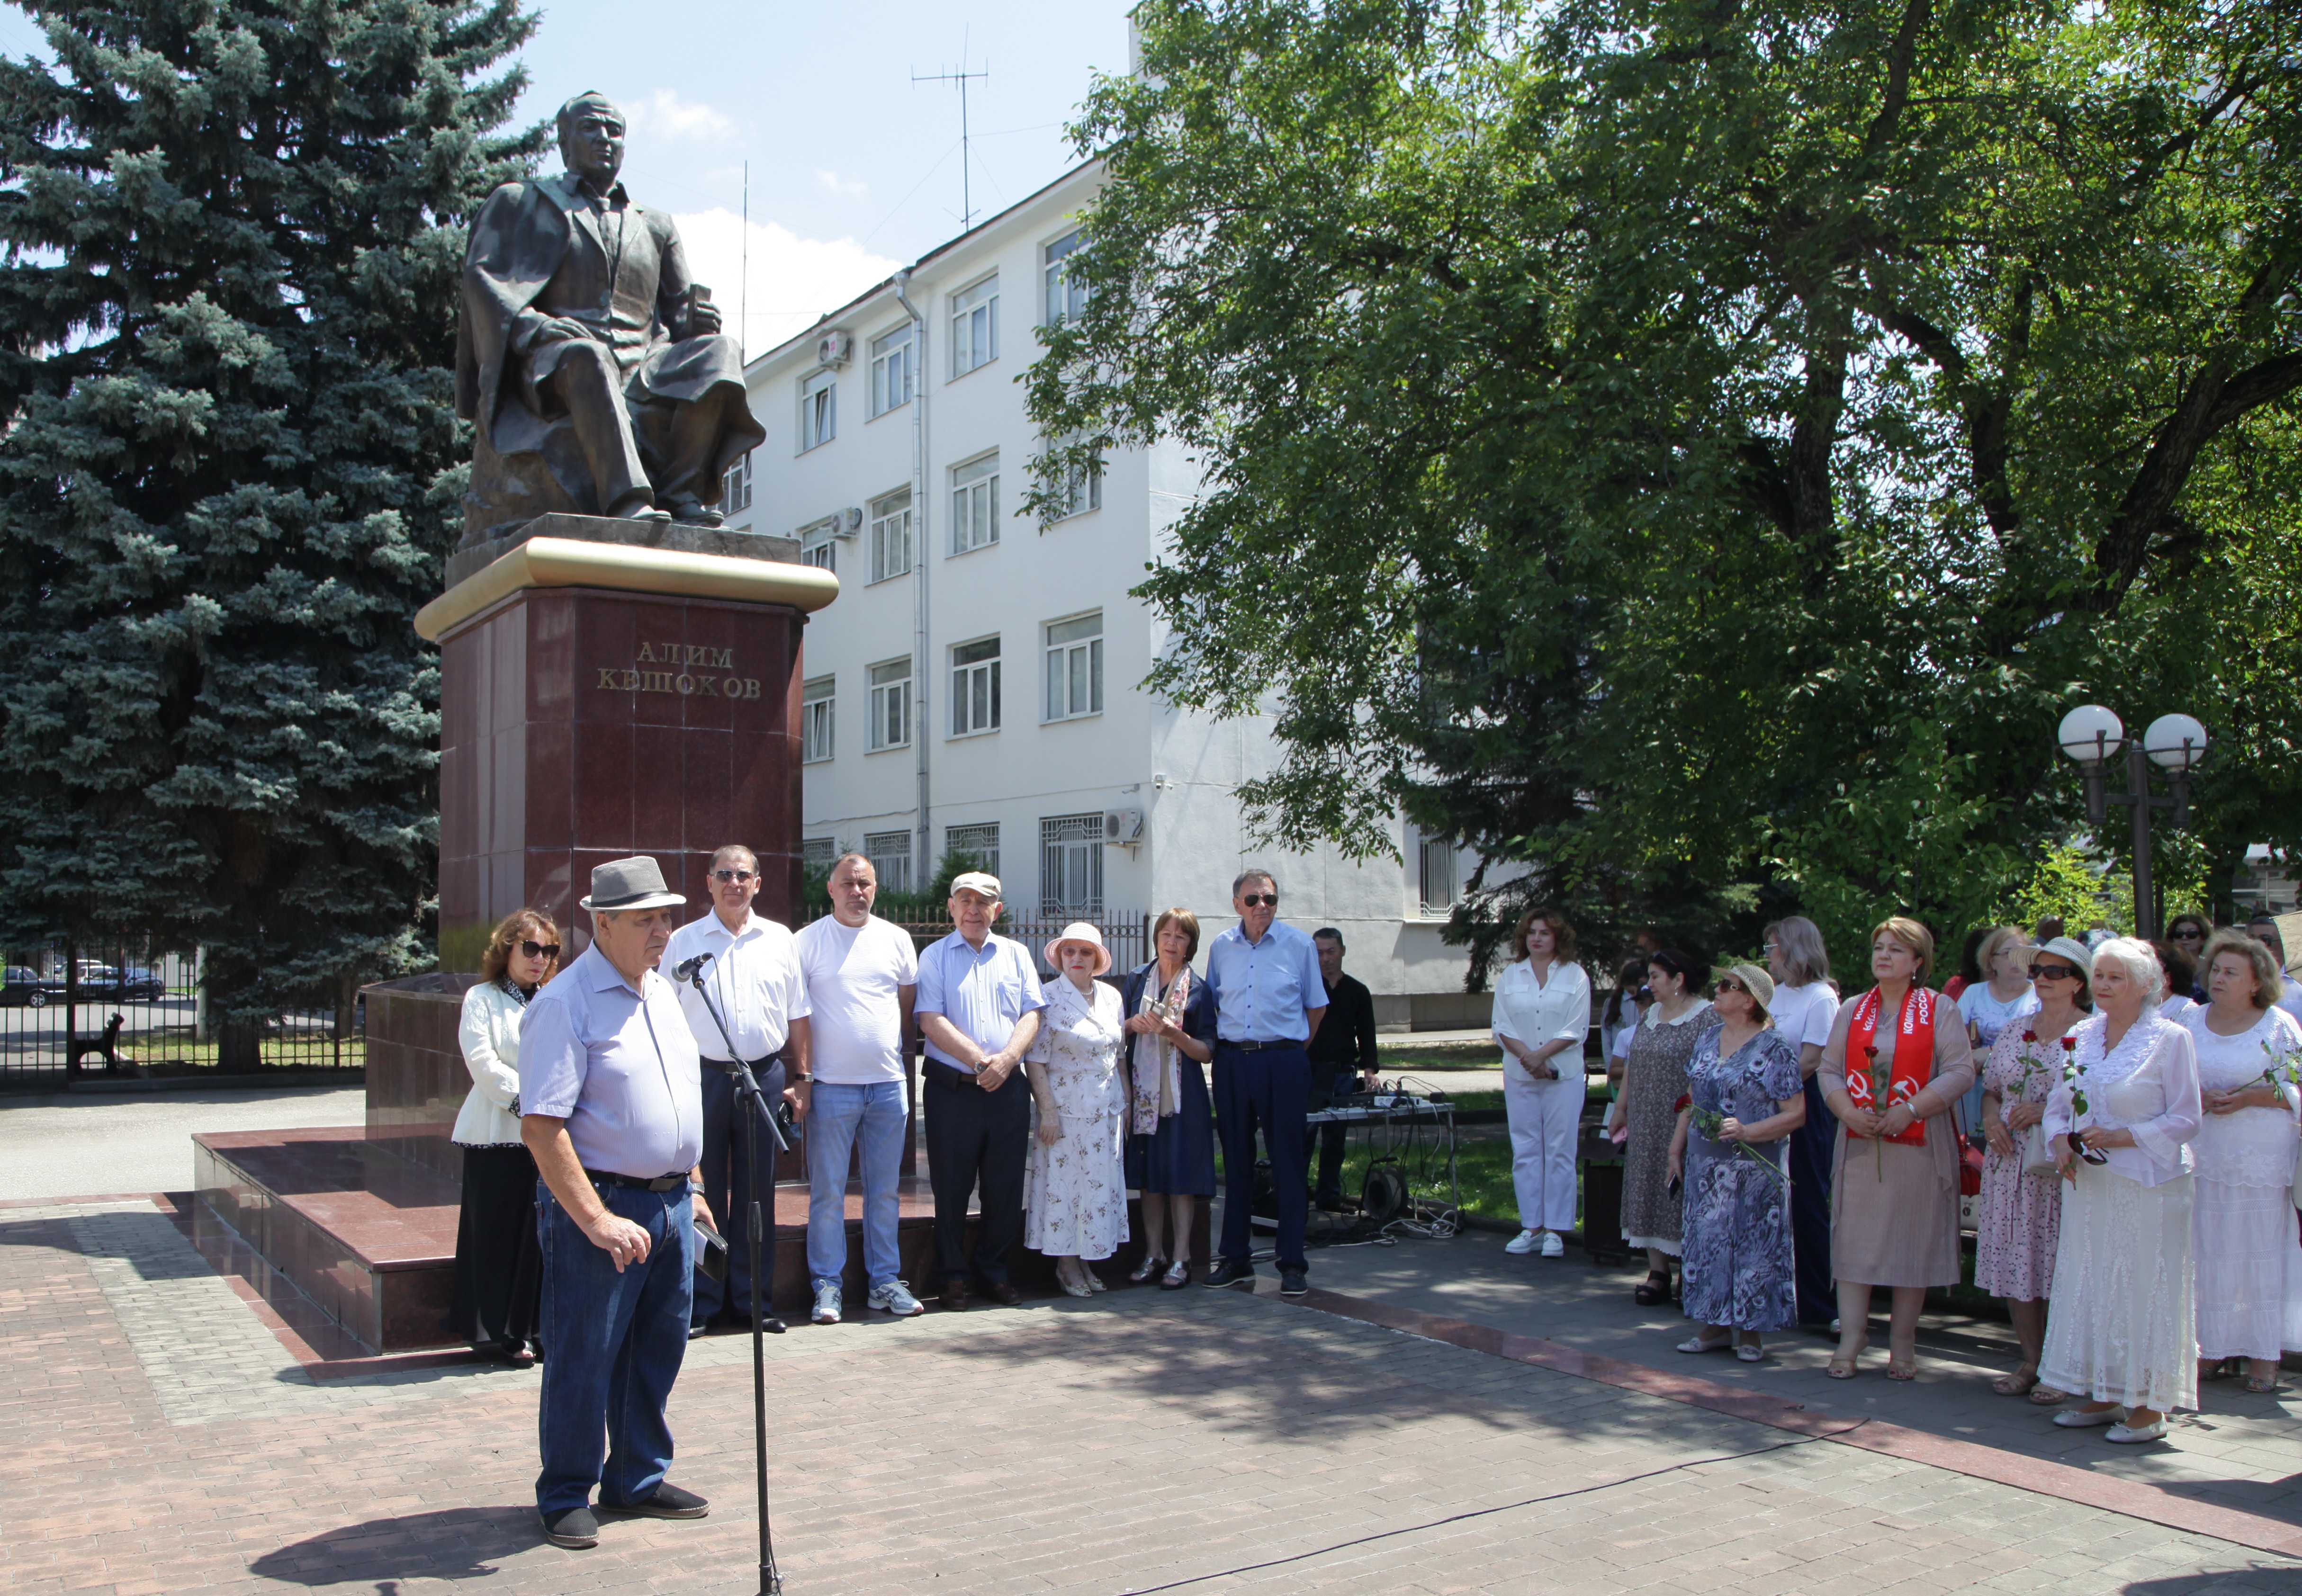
[{"x": 589, "y": 359}]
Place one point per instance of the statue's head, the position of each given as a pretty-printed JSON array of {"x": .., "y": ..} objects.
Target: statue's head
[{"x": 592, "y": 137}]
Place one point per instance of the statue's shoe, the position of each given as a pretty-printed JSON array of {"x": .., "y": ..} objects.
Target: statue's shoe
[{"x": 693, "y": 512}]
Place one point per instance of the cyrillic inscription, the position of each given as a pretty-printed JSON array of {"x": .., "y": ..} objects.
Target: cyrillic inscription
[{"x": 683, "y": 677}]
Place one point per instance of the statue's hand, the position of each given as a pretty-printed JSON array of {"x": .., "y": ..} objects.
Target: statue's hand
[
  {"x": 560, "y": 329},
  {"x": 703, "y": 320}
]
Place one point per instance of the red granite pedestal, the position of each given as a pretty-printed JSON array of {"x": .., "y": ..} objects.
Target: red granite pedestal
[
  {"x": 607, "y": 688},
  {"x": 579, "y": 726},
  {"x": 600, "y": 698}
]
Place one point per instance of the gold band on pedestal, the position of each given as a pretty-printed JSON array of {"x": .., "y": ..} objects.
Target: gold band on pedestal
[{"x": 564, "y": 562}]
